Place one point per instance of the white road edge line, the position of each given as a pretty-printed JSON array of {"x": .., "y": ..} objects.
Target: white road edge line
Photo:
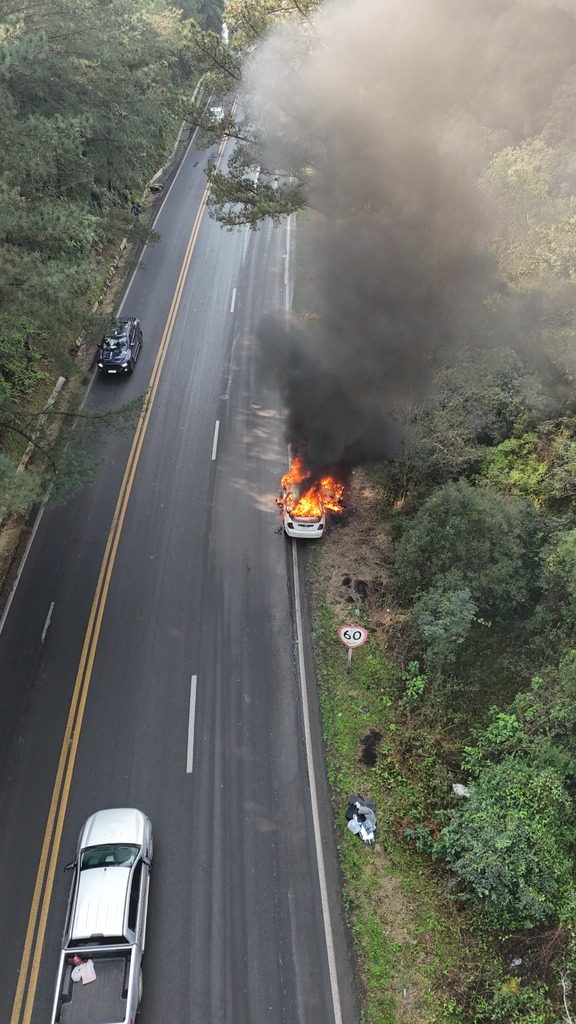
[
  {"x": 314, "y": 796},
  {"x": 48, "y": 620},
  {"x": 23, "y": 562},
  {"x": 215, "y": 441},
  {"x": 191, "y": 719},
  {"x": 156, "y": 218},
  {"x": 306, "y": 719},
  {"x": 287, "y": 296},
  {"x": 233, "y": 300}
]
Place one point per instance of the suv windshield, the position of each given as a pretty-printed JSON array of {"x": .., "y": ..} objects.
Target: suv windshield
[
  {"x": 114, "y": 344},
  {"x": 105, "y": 856}
]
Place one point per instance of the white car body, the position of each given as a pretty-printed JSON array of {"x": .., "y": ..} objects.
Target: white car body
[
  {"x": 304, "y": 527},
  {"x": 301, "y": 527}
]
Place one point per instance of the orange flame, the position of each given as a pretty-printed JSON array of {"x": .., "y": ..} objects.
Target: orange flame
[{"x": 325, "y": 496}]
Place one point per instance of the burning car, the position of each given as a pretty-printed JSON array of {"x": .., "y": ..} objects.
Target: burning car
[{"x": 304, "y": 502}]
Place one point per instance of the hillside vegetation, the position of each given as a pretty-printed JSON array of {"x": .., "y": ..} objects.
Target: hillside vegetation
[
  {"x": 458, "y": 553},
  {"x": 435, "y": 326},
  {"x": 92, "y": 95}
]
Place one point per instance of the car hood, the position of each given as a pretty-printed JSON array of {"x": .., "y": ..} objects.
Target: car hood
[
  {"x": 114, "y": 825},
  {"x": 119, "y": 356}
]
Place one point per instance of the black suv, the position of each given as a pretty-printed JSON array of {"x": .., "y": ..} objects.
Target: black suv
[{"x": 120, "y": 346}]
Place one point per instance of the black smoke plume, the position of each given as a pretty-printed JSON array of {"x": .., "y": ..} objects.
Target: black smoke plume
[{"x": 396, "y": 112}]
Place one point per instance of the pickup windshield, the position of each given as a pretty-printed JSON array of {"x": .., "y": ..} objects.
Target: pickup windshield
[{"x": 104, "y": 856}]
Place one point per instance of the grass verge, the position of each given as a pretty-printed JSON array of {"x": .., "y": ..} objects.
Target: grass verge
[{"x": 420, "y": 958}]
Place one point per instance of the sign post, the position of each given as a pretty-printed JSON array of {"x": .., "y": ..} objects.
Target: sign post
[{"x": 351, "y": 637}]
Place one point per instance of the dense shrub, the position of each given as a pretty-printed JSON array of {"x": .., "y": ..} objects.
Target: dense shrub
[
  {"x": 511, "y": 844},
  {"x": 492, "y": 542}
]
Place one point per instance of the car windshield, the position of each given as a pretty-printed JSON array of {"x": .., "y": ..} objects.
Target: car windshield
[
  {"x": 111, "y": 853},
  {"x": 114, "y": 344}
]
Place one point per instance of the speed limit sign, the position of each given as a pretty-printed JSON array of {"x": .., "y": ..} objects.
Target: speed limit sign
[{"x": 352, "y": 636}]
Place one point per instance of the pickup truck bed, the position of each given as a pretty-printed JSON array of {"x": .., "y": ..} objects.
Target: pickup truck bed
[{"x": 100, "y": 1002}]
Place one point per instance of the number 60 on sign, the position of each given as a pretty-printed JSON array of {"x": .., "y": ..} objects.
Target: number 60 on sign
[{"x": 352, "y": 636}]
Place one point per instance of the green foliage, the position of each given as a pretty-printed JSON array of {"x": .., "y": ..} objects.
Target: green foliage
[
  {"x": 65, "y": 458},
  {"x": 352, "y": 705},
  {"x": 492, "y": 543},
  {"x": 206, "y": 13},
  {"x": 475, "y": 403},
  {"x": 511, "y": 1002},
  {"x": 502, "y": 728},
  {"x": 90, "y": 106},
  {"x": 19, "y": 491},
  {"x": 59, "y": 443},
  {"x": 421, "y": 836},
  {"x": 434, "y": 955},
  {"x": 380, "y": 957},
  {"x": 538, "y": 724},
  {"x": 235, "y": 198},
  {"x": 539, "y": 465},
  {"x": 250, "y": 20},
  {"x": 537, "y": 222},
  {"x": 444, "y": 615},
  {"x": 511, "y": 844},
  {"x": 553, "y": 626},
  {"x": 221, "y": 65},
  {"x": 514, "y": 467},
  {"x": 560, "y": 566},
  {"x": 21, "y": 369},
  {"x": 265, "y": 177},
  {"x": 561, "y": 481},
  {"x": 415, "y": 684}
]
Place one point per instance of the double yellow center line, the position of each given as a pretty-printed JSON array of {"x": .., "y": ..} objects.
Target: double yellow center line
[{"x": 35, "y": 932}]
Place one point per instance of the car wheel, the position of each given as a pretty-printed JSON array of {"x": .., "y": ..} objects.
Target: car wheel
[
  {"x": 131, "y": 365},
  {"x": 151, "y": 850},
  {"x": 140, "y": 990}
]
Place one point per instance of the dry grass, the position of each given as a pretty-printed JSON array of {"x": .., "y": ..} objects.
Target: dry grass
[{"x": 356, "y": 553}]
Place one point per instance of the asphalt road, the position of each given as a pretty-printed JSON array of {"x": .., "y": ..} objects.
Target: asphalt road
[{"x": 166, "y": 620}]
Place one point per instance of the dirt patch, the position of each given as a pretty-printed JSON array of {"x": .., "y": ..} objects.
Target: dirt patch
[
  {"x": 369, "y": 748},
  {"x": 13, "y": 539},
  {"x": 356, "y": 553}
]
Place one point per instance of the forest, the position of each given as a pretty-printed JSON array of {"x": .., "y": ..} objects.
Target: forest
[{"x": 92, "y": 96}]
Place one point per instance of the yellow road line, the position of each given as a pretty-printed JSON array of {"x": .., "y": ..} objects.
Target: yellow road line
[{"x": 35, "y": 932}]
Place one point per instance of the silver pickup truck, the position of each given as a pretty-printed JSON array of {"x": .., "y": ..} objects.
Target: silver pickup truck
[{"x": 106, "y": 921}]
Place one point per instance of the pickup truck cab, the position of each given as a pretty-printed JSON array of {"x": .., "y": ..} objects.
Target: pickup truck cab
[{"x": 106, "y": 920}]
